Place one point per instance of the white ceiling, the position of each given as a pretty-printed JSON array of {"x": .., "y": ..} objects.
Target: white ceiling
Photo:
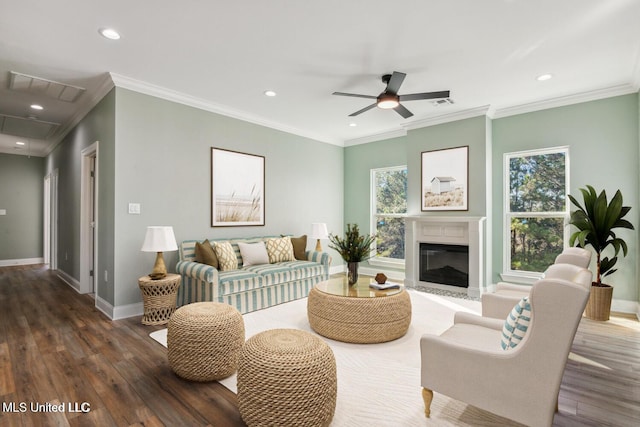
[{"x": 222, "y": 56}]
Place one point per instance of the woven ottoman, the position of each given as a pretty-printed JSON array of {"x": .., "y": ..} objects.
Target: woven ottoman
[
  {"x": 204, "y": 341},
  {"x": 286, "y": 377}
]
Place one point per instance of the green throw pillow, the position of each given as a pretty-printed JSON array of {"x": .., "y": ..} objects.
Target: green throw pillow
[{"x": 205, "y": 254}]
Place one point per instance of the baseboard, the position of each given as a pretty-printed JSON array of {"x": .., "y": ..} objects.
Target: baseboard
[
  {"x": 23, "y": 261},
  {"x": 69, "y": 280},
  {"x": 119, "y": 312},
  {"x": 625, "y": 306}
]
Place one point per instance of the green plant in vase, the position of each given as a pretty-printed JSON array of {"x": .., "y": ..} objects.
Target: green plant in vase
[
  {"x": 596, "y": 220},
  {"x": 353, "y": 248}
]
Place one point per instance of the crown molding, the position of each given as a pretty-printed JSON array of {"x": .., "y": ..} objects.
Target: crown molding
[
  {"x": 203, "y": 104},
  {"x": 84, "y": 107},
  {"x": 447, "y": 118},
  {"x": 375, "y": 137},
  {"x": 563, "y": 101}
]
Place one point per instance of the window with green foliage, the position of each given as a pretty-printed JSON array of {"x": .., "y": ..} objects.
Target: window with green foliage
[
  {"x": 388, "y": 212},
  {"x": 536, "y": 208}
]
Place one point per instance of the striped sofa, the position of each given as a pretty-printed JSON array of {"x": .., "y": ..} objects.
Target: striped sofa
[{"x": 248, "y": 288}]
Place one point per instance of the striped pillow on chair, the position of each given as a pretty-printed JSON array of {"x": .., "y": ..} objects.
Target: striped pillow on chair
[{"x": 516, "y": 325}]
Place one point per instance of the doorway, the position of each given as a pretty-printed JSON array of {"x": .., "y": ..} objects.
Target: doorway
[
  {"x": 89, "y": 220},
  {"x": 50, "y": 220}
]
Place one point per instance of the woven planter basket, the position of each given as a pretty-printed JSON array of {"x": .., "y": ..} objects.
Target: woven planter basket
[{"x": 599, "y": 304}]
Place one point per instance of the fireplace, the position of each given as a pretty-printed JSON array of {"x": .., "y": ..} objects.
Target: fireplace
[
  {"x": 444, "y": 264},
  {"x": 452, "y": 247}
]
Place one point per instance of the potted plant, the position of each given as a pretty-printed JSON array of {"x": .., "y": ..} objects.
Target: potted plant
[
  {"x": 596, "y": 221},
  {"x": 354, "y": 248}
]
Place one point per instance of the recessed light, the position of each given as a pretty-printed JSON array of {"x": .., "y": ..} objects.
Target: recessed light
[
  {"x": 270, "y": 93},
  {"x": 19, "y": 143},
  {"x": 353, "y": 125},
  {"x": 109, "y": 33},
  {"x": 543, "y": 77},
  {"x": 37, "y": 107}
]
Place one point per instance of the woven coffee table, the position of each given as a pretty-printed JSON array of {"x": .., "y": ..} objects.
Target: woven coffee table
[
  {"x": 204, "y": 340},
  {"x": 358, "y": 313},
  {"x": 286, "y": 377}
]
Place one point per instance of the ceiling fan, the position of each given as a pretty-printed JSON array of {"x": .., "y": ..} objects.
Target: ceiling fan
[{"x": 389, "y": 99}]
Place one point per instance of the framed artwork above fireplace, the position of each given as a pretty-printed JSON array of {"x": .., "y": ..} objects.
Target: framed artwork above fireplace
[{"x": 445, "y": 179}]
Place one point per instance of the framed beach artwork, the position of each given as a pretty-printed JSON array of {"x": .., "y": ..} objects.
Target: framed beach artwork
[
  {"x": 237, "y": 188},
  {"x": 445, "y": 179}
]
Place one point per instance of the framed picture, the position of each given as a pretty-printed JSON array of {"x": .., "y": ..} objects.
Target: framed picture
[
  {"x": 445, "y": 179},
  {"x": 237, "y": 188}
]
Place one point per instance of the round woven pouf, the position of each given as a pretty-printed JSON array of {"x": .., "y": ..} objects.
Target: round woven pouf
[
  {"x": 286, "y": 377},
  {"x": 204, "y": 340}
]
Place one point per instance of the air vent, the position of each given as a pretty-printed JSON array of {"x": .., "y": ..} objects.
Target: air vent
[
  {"x": 444, "y": 101},
  {"x": 27, "y": 128},
  {"x": 36, "y": 85}
]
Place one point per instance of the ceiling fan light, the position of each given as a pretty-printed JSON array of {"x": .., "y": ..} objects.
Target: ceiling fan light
[{"x": 387, "y": 102}]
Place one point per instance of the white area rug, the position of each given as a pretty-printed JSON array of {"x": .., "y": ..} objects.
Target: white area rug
[{"x": 379, "y": 384}]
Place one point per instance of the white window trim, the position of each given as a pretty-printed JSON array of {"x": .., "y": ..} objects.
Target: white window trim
[
  {"x": 375, "y": 260},
  {"x": 517, "y": 276}
]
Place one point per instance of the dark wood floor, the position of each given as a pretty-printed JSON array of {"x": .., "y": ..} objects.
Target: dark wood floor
[{"x": 56, "y": 348}]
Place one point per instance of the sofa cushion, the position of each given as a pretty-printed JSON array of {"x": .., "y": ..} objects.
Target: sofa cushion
[
  {"x": 299, "y": 247},
  {"x": 234, "y": 281},
  {"x": 226, "y": 256},
  {"x": 253, "y": 253},
  {"x": 516, "y": 325},
  {"x": 280, "y": 249},
  {"x": 205, "y": 254}
]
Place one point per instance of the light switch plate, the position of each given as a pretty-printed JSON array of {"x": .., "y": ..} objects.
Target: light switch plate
[
  {"x": 134, "y": 208},
  {"x": 3, "y": 211}
]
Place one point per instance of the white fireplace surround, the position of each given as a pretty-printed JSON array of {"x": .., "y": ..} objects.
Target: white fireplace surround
[{"x": 453, "y": 230}]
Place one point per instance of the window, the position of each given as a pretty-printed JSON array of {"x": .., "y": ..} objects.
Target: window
[
  {"x": 536, "y": 208},
  {"x": 388, "y": 212}
]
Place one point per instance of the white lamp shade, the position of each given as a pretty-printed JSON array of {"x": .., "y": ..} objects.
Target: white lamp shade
[
  {"x": 159, "y": 239},
  {"x": 319, "y": 231}
]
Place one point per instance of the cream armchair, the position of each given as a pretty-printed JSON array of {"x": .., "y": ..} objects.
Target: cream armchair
[
  {"x": 571, "y": 265},
  {"x": 467, "y": 362}
]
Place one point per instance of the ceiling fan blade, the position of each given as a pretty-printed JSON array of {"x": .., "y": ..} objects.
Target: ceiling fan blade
[
  {"x": 367, "y": 108},
  {"x": 394, "y": 83},
  {"x": 425, "y": 95},
  {"x": 354, "y": 95},
  {"x": 400, "y": 109}
]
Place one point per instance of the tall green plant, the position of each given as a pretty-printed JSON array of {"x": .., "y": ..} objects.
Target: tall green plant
[
  {"x": 595, "y": 222},
  {"x": 354, "y": 247}
]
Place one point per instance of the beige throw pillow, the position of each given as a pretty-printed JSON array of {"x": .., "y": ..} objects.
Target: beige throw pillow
[
  {"x": 226, "y": 256},
  {"x": 253, "y": 253},
  {"x": 205, "y": 254},
  {"x": 280, "y": 249}
]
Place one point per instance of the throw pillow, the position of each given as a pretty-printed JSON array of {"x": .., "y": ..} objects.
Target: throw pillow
[
  {"x": 299, "y": 247},
  {"x": 280, "y": 249},
  {"x": 205, "y": 254},
  {"x": 226, "y": 256},
  {"x": 253, "y": 253},
  {"x": 516, "y": 325}
]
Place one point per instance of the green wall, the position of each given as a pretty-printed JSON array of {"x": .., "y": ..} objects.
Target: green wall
[
  {"x": 21, "y": 195},
  {"x": 163, "y": 162},
  {"x": 603, "y": 142},
  {"x": 98, "y": 125}
]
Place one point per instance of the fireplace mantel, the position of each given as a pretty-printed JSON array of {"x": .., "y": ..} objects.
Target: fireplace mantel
[{"x": 456, "y": 230}]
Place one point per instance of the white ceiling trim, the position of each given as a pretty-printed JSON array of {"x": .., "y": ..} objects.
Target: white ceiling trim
[
  {"x": 563, "y": 101},
  {"x": 447, "y": 118},
  {"x": 376, "y": 137},
  {"x": 202, "y": 104},
  {"x": 85, "y": 105}
]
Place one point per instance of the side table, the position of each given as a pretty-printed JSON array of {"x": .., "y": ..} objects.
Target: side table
[{"x": 159, "y": 298}]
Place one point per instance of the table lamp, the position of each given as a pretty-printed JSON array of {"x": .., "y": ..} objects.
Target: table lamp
[
  {"x": 319, "y": 231},
  {"x": 159, "y": 239}
]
